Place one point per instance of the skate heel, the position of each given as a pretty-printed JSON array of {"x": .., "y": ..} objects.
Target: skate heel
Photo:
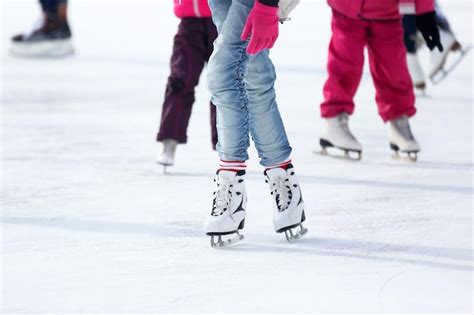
[
  {"x": 325, "y": 144},
  {"x": 347, "y": 152},
  {"x": 394, "y": 147},
  {"x": 296, "y": 231},
  {"x": 408, "y": 155},
  {"x": 293, "y": 234}
]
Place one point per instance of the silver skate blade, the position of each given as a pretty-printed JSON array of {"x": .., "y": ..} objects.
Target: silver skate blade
[
  {"x": 217, "y": 241},
  {"x": 165, "y": 167},
  {"x": 357, "y": 157},
  {"x": 445, "y": 69},
  {"x": 405, "y": 156},
  {"x": 422, "y": 94},
  {"x": 43, "y": 50},
  {"x": 412, "y": 156},
  {"x": 349, "y": 155},
  {"x": 294, "y": 235}
]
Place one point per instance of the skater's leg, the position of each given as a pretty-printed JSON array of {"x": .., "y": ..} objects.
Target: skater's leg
[
  {"x": 225, "y": 78},
  {"x": 266, "y": 126},
  {"x": 393, "y": 85},
  {"x": 229, "y": 205},
  {"x": 345, "y": 65},
  {"x": 226, "y": 69},
  {"x": 187, "y": 63},
  {"x": 388, "y": 65}
]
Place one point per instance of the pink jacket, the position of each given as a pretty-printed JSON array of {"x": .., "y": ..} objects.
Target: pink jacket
[
  {"x": 381, "y": 9},
  {"x": 191, "y": 8}
]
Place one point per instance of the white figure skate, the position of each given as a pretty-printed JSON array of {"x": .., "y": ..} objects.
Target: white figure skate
[
  {"x": 166, "y": 156},
  {"x": 227, "y": 216},
  {"x": 443, "y": 63},
  {"x": 402, "y": 139},
  {"x": 288, "y": 208},
  {"x": 336, "y": 133},
  {"x": 285, "y": 8}
]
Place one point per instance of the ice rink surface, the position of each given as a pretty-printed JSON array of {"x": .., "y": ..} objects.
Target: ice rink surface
[{"x": 91, "y": 224}]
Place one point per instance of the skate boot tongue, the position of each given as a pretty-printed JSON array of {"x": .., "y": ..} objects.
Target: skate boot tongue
[
  {"x": 279, "y": 186},
  {"x": 276, "y": 172},
  {"x": 225, "y": 178},
  {"x": 226, "y": 175}
]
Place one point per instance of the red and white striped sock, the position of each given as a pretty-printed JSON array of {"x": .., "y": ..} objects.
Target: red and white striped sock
[
  {"x": 234, "y": 166},
  {"x": 283, "y": 165}
]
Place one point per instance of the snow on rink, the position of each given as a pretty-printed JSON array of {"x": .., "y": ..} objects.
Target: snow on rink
[{"x": 91, "y": 224}]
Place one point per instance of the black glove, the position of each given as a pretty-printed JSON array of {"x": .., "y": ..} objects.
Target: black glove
[{"x": 428, "y": 27}]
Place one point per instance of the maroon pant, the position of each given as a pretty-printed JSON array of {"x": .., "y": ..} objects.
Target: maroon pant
[{"x": 192, "y": 48}]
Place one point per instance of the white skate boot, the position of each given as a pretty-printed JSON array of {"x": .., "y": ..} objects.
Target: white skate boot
[
  {"x": 336, "y": 134},
  {"x": 166, "y": 156},
  {"x": 285, "y": 8},
  {"x": 402, "y": 139},
  {"x": 440, "y": 67},
  {"x": 416, "y": 72},
  {"x": 228, "y": 209},
  {"x": 288, "y": 209}
]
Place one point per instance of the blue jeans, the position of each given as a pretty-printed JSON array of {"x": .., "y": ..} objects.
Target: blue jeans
[{"x": 242, "y": 88}]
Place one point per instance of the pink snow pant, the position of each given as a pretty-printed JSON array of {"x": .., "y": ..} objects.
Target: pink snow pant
[{"x": 387, "y": 58}]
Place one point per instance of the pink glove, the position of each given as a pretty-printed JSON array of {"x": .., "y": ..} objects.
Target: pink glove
[{"x": 261, "y": 27}]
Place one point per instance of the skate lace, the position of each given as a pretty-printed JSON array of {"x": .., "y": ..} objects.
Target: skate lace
[
  {"x": 222, "y": 196},
  {"x": 282, "y": 192}
]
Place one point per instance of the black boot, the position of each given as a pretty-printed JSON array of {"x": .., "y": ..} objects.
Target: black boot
[{"x": 51, "y": 39}]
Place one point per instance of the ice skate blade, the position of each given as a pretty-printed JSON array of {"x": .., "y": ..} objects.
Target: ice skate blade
[
  {"x": 444, "y": 70},
  {"x": 293, "y": 236},
  {"x": 411, "y": 156},
  {"x": 348, "y": 154},
  {"x": 421, "y": 93},
  {"x": 165, "y": 166},
  {"x": 220, "y": 243},
  {"x": 407, "y": 156},
  {"x": 324, "y": 144},
  {"x": 49, "y": 49},
  {"x": 164, "y": 163}
]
